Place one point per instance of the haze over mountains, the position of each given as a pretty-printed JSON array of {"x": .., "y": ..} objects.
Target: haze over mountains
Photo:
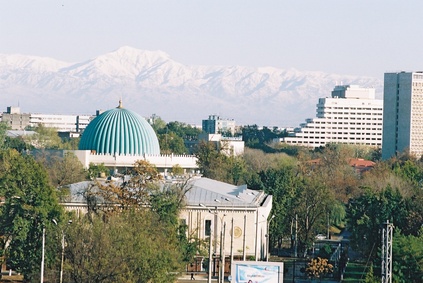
[{"x": 150, "y": 82}]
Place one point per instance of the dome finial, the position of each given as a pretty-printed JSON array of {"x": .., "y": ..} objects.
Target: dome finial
[{"x": 120, "y": 103}]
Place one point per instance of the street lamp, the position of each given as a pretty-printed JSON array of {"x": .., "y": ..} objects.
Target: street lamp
[
  {"x": 42, "y": 255},
  {"x": 63, "y": 249},
  {"x": 222, "y": 239},
  {"x": 268, "y": 238}
]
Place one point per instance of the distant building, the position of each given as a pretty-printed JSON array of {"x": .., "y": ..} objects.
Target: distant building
[
  {"x": 63, "y": 123},
  {"x": 351, "y": 115},
  {"x": 403, "y": 114},
  {"x": 216, "y": 125},
  {"x": 15, "y": 119},
  {"x": 228, "y": 145}
]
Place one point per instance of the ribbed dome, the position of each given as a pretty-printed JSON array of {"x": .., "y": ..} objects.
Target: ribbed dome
[{"x": 120, "y": 131}]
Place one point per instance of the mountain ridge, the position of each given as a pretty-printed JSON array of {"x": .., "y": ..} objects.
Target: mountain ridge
[{"x": 152, "y": 82}]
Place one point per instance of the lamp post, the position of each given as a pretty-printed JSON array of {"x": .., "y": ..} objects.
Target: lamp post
[
  {"x": 222, "y": 259},
  {"x": 63, "y": 249},
  {"x": 232, "y": 232},
  {"x": 222, "y": 249},
  {"x": 42, "y": 255},
  {"x": 210, "y": 258},
  {"x": 268, "y": 238}
]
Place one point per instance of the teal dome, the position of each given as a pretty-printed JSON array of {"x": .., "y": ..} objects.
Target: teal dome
[{"x": 120, "y": 131}]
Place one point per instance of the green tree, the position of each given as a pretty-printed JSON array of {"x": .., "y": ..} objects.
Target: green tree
[
  {"x": 367, "y": 212},
  {"x": 284, "y": 186},
  {"x": 157, "y": 123},
  {"x": 30, "y": 204},
  {"x": 131, "y": 246},
  {"x": 97, "y": 170},
  {"x": 3, "y": 131},
  {"x": 370, "y": 277},
  {"x": 407, "y": 254},
  {"x": 44, "y": 138},
  {"x": 172, "y": 143},
  {"x": 17, "y": 143},
  {"x": 65, "y": 170}
]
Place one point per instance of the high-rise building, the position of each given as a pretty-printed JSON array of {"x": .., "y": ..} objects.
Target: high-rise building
[
  {"x": 403, "y": 114},
  {"x": 352, "y": 115}
]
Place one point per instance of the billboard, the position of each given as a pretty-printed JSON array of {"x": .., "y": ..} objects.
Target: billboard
[{"x": 257, "y": 272}]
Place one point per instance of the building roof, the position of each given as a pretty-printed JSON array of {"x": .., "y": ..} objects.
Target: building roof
[
  {"x": 207, "y": 192},
  {"x": 210, "y": 193},
  {"x": 120, "y": 131}
]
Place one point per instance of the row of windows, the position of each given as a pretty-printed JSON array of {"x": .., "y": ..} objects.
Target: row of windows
[
  {"x": 349, "y": 124},
  {"x": 376, "y": 108},
  {"x": 334, "y": 138},
  {"x": 317, "y": 143}
]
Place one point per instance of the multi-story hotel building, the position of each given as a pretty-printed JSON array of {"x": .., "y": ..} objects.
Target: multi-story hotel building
[
  {"x": 403, "y": 114},
  {"x": 352, "y": 115}
]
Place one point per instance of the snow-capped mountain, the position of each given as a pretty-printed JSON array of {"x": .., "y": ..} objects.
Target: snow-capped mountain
[{"x": 151, "y": 82}]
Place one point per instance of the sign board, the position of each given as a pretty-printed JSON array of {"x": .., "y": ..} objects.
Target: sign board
[{"x": 257, "y": 272}]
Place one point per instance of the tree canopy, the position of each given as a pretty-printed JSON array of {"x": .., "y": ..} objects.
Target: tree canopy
[{"x": 30, "y": 204}]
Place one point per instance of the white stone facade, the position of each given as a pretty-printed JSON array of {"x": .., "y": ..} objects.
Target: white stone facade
[
  {"x": 121, "y": 162},
  {"x": 403, "y": 114},
  {"x": 351, "y": 116}
]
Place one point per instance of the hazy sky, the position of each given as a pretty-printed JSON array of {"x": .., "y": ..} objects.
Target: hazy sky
[{"x": 357, "y": 37}]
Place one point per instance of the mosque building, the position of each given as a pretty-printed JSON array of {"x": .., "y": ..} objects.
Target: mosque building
[{"x": 119, "y": 137}]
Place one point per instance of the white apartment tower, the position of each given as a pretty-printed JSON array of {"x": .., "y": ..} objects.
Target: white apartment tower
[
  {"x": 351, "y": 115},
  {"x": 403, "y": 114}
]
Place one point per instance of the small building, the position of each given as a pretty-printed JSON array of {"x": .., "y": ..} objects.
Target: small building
[{"x": 229, "y": 145}]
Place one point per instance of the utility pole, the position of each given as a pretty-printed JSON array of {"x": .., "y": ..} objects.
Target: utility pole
[
  {"x": 210, "y": 258},
  {"x": 387, "y": 252},
  {"x": 42, "y": 255},
  {"x": 223, "y": 253}
]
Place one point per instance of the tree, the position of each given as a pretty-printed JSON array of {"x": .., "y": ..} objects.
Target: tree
[
  {"x": 64, "y": 170},
  {"x": 210, "y": 160},
  {"x": 171, "y": 143},
  {"x": 97, "y": 170},
  {"x": 284, "y": 186},
  {"x": 318, "y": 267},
  {"x": 131, "y": 246},
  {"x": 44, "y": 138},
  {"x": 17, "y": 143},
  {"x": 366, "y": 213},
  {"x": 30, "y": 204},
  {"x": 370, "y": 277},
  {"x": 136, "y": 191},
  {"x": 3, "y": 131},
  {"x": 407, "y": 254}
]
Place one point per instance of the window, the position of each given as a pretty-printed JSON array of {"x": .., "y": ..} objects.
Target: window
[{"x": 207, "y": 230}]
